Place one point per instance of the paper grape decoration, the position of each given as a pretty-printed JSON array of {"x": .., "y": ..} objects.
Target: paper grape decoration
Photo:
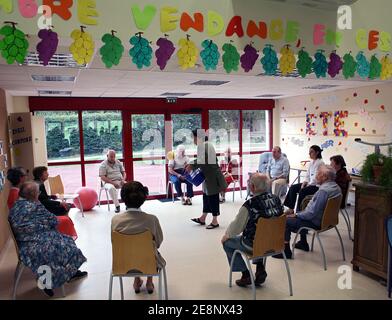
[
  {"x": 14, "y": 44},
  {"x": 270, "y": 60},
  {"x": 287, "y": 60},
  {"x": 210, "y": 55},
  {"x": 386, "y": 68},
  {"x": 141, "y": 52},
  {"x": 304, "y": 63},
  {"x": 48, "y": 45},
  {"x": 320, "y": 65},
  {"x": 249, "y": 58},
  {"x": 112, "y": 50},
  {"x": 231, "y": 58},
  {"x": 363, "y": 66},
  {"x": 349, "y": 66},
  {"x": 164, "y": 52},
  {"x": 375, "y": 68},
  {"x": 335, "y": 65},
  {"x": 82, "y": 48},
  {"x": 187, "y": 54}
]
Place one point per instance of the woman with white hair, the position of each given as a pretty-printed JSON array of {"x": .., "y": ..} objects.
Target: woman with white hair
[{"x": 177, "y": 175}]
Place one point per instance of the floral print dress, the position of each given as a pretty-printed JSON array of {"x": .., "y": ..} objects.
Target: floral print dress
[{"x": 40, "y": 244}]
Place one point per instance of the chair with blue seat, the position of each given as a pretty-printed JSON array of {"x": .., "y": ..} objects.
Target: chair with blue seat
[{"x": 389, "y": 236}]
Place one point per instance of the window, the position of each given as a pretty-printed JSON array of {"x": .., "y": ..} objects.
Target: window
[
  {"x": 183, "y": 124},
  {"x": 224, "y": 129},
  {"x": 255, "y": 130}
]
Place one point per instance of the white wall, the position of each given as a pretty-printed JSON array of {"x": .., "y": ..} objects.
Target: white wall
[{"x": 366, "y": 121}]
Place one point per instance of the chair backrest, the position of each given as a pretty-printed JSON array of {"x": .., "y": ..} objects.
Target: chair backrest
[
  {"x": 133, "y": 253},
  {"x": 13, "y": 239},
  {"x": 389, "y": 230},
  {"x": 56, "y": 185},
  {"x": 331, "y": 213},
  {"x": 269, "y": 236}
]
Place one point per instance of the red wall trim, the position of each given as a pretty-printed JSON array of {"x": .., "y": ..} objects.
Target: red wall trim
[{"x": 147, "y": 105}]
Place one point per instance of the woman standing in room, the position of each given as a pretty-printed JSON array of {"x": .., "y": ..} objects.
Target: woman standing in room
[
  {"x": 214, "y": 182},
  {"x": 135, "y": 221},
  {"x": 16, "y": 176},
  {"x": 229, "y": 168},
  {"x": 342, "y": 177},
  {"x": 309, "y": 186},
  {"x": 176, "y": 169}
]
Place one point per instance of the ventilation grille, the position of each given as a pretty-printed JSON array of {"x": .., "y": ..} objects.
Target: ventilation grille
[
  {"x": 54, "y": 93},
  {"x": 269, "y": 95},
  {"x": 209, "y": 83},
  {"x": 58, "y": 60},
  {"x": 279, "y": 74},
  {"x": 52, "y": 78},
  {"x": 321, "y": 87},
  {"x": 175, "y": 94}
]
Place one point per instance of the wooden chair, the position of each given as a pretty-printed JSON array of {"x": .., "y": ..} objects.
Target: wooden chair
[
  {"x": 329, "y": 221},
  {"x": 268, "y": 242},
  {"x": 57, "y": 187},
  {"x": 134, "y": 256},
  {"x": 20, "y": 267},
  {"x": 101, "y": 186}
]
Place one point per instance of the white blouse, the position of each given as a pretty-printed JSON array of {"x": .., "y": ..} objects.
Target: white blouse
[{"x": 312, "y": 171}]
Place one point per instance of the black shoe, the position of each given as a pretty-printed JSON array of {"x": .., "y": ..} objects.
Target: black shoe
[
  {"x": 260, "y": 278},
  {"x": 117, "y": 209},
  {"x": 302, "y": 245},
  {"x": 49, "y": 292},
  {"x": 280, "y": 255},
  {"x": 78, "y": 275}
]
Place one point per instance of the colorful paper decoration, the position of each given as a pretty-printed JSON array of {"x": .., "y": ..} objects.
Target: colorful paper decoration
[
  {"x": 325, "y": 116},
  {"x": 327, "y": 144},
  {"x": 188, "y": 53},
  {"x": 48, "y": 45},
  {"x": 304, "y": 63},
  {"x": 320, "y": 65},
  {"x": 287, "y": 60},
  {"x": 14, "y": 44},
  {"x": 112, "y": 51},
  {"x": 210, "y": 55},
  {"x": 386, "y": 68},
  {"x": 310, "y": 125},
  {"x": 339, "y": 115},
  {"x": 82, "y": 48},
  {"x": 335, "y": 64},
  {"x": 363, "y": 66},
  {"x": 164, "y": 52},
  {"x": 349, "y": 66},
  {"x": 249, "y": 58},
  {"x": 141, "y": 52},
  {"x": 231, "y": 58},
  {"x": 270, "y": 60},
  {"x": 375, "y": 68}
]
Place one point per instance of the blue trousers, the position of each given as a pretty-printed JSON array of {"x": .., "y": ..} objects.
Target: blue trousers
[
  {"x": 177, "y": 184},
  {"x": 230, "y": 246}
]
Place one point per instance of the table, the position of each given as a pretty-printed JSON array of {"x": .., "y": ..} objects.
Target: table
[{"x": 299, "y": 171}]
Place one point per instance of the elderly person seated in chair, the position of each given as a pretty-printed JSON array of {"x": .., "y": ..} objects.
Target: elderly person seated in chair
[
  {"x": 40, "y": 244},
  {"x": 58, "y": 208},
  {"x": 112, "y": 173},
  {"x": 176, "y": 169},
  {"x": 241, "y": 232},
  {"x": 16, "y": 176},
  {"x": 135, "y": 221},
  {"x": 278, "y": 171},
  {"x": 312, "y": 215}
]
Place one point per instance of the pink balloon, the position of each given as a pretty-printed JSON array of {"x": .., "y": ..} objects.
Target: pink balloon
[{"x": 88, "y": 197}]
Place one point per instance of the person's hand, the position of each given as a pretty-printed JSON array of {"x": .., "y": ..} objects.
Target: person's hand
[
  {"x": 182, "y": 178},
  {"x": 224, "y": 239},
  {"x": 291, "y": 215},
  {"x": 116, "y": 184},
  {"x": 188, "y": 168},
  {"x": 64, "y": 205},
  {"x": 304, "y": 184}
]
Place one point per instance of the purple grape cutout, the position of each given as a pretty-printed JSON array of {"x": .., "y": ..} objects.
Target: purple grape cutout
[
  {"x": 164, "y": 52},
  {"x": 249, "y": 58},
  {"x": 48, "y": 45},
  {"x": 335, "y": 65}
]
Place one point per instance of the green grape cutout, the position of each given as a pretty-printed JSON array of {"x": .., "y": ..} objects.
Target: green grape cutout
[
  {"x": 270, "y": 60},
  {"x": 141, "y": 52},
  {"x": 112, "y": 51},
  {"x": 231, "y": 58},
  {"x": 375, "y": 68},
  {"x": 210, "y": 55},
  {"x": 14, "y": 44},
  {"x": 349, "y": 66},
  {"x": 304, "y": 63}
]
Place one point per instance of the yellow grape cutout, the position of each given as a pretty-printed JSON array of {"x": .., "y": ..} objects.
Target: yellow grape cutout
[
  {"x": 287, "y": 60},
  {"x": 386, "y": 68},
  {"x": 187, "y": 54},
  {"x": 82, "y": 48}
]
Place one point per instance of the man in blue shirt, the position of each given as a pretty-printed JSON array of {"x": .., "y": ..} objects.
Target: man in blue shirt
[
  {"x": 312, "y": 215},
  {"x": 278, "y": 171}
]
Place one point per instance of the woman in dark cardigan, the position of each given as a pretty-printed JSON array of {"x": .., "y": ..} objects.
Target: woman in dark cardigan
[{"x": 342, "y": 177}]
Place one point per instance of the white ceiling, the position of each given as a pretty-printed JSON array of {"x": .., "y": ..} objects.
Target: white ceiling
[{"x": 126, "y": 81}]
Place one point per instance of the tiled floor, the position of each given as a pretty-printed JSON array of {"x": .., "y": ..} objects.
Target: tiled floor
[{"x": 196, "y": 264}]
